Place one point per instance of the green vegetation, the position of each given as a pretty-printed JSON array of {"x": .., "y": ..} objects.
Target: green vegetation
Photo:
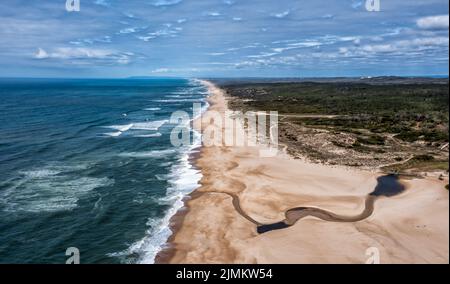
[
  {"x": 411, "y": 112},
  {"x": 371, "y": 140},
  {"x": 368, "y": 123},
  {"x": 431, "y": 135}
]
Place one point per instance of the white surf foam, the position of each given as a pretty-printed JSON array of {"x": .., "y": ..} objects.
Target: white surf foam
[
  {"x": 184, "y": 96},
  {"x": 121, "y": 128},
  {"x": 113, "y": 134},
  {"x": 149, "y": 154},
  {"x": 42, "y": 173},
  {"x": 150, "y": 125},
  {"x": 49, "y": 189},
  {"x": 152, "y": 108},
  {"x": 148, "y": 135},
  {"x": 179, "y": 100},
  {"x": 183, "y": 179}
]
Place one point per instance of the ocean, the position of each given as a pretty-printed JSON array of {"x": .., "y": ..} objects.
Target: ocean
[{"x": 89, "y": 164}]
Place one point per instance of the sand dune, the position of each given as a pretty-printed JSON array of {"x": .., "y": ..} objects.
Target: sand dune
[{"x": 411, "y": 227}]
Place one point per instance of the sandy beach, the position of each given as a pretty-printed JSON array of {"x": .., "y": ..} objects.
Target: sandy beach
[{"x": 411, "y": 227}]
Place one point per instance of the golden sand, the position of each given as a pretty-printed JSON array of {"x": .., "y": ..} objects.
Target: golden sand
[{"x": 412, "y": 227}]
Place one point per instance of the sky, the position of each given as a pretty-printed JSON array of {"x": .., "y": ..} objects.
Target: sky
[{"x": 223, "y": 38}]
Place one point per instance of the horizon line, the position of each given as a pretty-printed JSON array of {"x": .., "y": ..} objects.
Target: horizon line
[{"x": 143, "y": 77}]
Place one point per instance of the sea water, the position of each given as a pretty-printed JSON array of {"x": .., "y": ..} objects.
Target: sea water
[{"x": 89, "y": 164}]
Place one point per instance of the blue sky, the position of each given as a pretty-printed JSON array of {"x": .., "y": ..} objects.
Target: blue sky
[{"x": 223, "y": 38}]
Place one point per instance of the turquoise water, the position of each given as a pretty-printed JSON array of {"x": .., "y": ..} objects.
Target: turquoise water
[{"x": 89, "y": 164}]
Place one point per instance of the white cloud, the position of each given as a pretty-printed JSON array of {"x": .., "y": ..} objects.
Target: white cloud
[
  {"x": 146, "y": 38},
  {"x": 262, "y": 55},
  {"x": 80, "y": 53},
  {"x": 356, "y": 4},
  {"x": 379, "y": 48},
  {"x": 297, "y": 45},
  {"x": 69, "y": 52},
  {"x": 174, "y": 70},
  {"x": 376, "y": 52},
  {"x": 128, "y": 30},
  {"x": 281, "y": 15},
  {"x": 164, "y": 32},
  {"x": 343, "y": 50},
  {"x": 426, "y": 42},
  {"x": 102, "y": 3},
  {"x": 129, "y": 15},
  {"x": 433, "y": 22},
  {"x": 41, "y": 54},
  {"x": 270, "y": 61},
  {"x": 229, "y": 2},
  {"x": 376, "y": 38},
  {"x": 254, "y": 45},
  {"x": 403, "y": 47},
  {"x": 159, "y": 3},
  {"x": 161, "y": 70},
  {"x": 305, "y": 44},
  {"x": 213, "y": 14},
  {"x": 168, "y": 31}
]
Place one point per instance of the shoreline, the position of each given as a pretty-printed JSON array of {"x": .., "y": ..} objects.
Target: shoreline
[
  {"x": 198, "y": 234},
  {"x": 176, "y": 221}
]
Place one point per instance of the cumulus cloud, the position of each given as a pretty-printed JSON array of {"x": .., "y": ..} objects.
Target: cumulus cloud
[
  {"x": 343, "y": 50},
  {"x": 430, "y": 41},
  {"x": 402, "y": 47},
  {"x": 281, "y": 30},
  {"x": 434, "y": 22},
  {"x": 41, "y": 54}
]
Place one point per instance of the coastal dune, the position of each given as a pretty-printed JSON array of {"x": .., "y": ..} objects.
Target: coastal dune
[{"x": 241, "y": 190}]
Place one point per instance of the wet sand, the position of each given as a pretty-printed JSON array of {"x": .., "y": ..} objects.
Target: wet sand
[{"x": 410, "y": 227}]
